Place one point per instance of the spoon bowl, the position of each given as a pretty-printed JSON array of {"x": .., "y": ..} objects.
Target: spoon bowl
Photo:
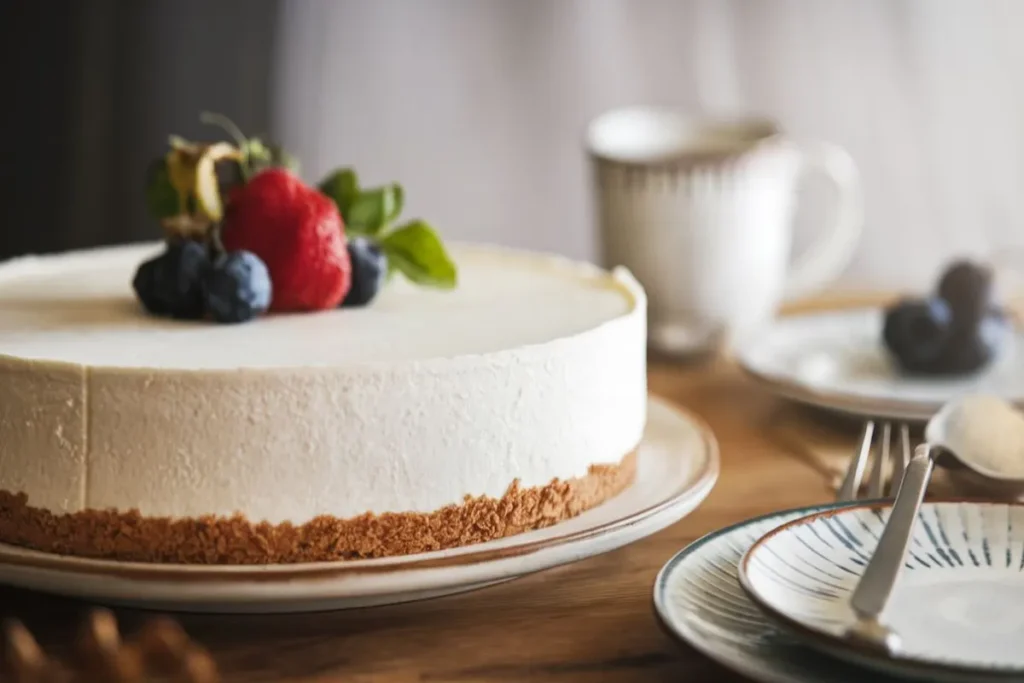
[{"x": 981, "y": 437}]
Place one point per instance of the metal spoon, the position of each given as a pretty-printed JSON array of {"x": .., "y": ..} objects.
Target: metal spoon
[{"x": 961, "y": 435}]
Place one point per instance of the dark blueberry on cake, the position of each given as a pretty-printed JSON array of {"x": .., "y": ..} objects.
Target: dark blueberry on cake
[
  {"x": 170, "y": 284},
  {"x": 369, "y": 270},
  {"x": 236, "y": 287}
]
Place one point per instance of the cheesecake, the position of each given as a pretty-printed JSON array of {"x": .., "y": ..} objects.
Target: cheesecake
[{"x": 430, "y": 420}]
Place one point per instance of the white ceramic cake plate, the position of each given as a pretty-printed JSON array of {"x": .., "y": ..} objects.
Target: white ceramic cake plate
[
  {"x": 835, "y": 360},
  {"x": 956, "y": 606},
  {"x": 677, "y": 466}
]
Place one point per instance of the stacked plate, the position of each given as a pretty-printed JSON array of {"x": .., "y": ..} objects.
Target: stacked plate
[{"x": 770, "y": 597}]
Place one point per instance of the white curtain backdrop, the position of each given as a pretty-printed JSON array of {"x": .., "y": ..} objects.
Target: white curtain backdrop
[{"x": 478, "y": 106}]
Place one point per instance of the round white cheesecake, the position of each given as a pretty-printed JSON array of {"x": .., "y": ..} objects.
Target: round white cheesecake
[{"x": 401, "y": 427}]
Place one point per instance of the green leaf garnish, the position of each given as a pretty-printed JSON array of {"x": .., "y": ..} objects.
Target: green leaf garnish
[
  {"x": 161, "y": 197},
  {"x": 373, "y": 210},
  {"x": 366, "y": 213},
  {"x": 416, "y": 251},
  {"x": 364, "y": 216},
  {"x": 397, "y": 203},
  {"x": 342, "y": 187}
]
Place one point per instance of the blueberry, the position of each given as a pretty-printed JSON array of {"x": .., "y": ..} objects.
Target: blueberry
[
  {"x": 916, "y": 332},
  {"x": 369, "y": 270},
  {"x": 146, "y": 287},
  {"x": 967, "y": 288},
  {"x": 169, "y": 284},
  {"x": 236, "y": 287},
  {"x": 969, "y": 349}
]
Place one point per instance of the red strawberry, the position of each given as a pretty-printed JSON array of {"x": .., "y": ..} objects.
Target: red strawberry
[{"x": 298, "y": 233}]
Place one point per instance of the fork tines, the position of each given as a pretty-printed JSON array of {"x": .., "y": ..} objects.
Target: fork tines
[{"x": 882, "y": 470}]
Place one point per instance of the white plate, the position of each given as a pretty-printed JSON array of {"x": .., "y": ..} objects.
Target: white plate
[
  {"x": 698, "y": 599},
  {"x": 677, "y": 466},
  {"x": 836, "y": 360},
  {"x": 957, "y": 606}
]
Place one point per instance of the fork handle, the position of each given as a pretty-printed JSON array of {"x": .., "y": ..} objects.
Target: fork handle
[{"x": 875, "y": 586}]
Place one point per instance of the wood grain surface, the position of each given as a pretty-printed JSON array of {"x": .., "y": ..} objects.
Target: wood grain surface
[{"x": 591, "y": 621}]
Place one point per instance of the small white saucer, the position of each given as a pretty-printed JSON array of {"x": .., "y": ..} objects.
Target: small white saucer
[
  {"x": 676, "y": 468},
  {"x": 958, "y": 607},
  {"x": 836, "y": 360}
]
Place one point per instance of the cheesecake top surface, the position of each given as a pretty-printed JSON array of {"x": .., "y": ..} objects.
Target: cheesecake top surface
[{"x": 79, "y": 308}]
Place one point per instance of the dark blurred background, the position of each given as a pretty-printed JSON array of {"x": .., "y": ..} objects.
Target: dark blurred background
[
  {"x": 94, "y": 89},
  {"x": 478, "y": 106}
]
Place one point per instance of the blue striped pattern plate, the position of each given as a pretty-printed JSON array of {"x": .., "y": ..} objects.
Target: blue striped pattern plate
[
  {"x": 958, "y": 606},
  {"x": 698, "y": 599}
]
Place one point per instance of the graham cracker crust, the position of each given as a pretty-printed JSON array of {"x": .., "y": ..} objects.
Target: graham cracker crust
[{"x": 130, "y": 536}]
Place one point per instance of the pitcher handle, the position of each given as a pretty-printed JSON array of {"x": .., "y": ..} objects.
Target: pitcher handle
[{"x": 833, "y": 248}]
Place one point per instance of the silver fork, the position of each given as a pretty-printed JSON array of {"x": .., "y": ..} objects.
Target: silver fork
[{"x": 881, "y": 465}]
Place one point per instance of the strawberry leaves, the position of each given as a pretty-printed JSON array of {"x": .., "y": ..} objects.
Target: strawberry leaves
[
  {"x": 260, "y": 156},
  {"x": 413, "y": 249}
]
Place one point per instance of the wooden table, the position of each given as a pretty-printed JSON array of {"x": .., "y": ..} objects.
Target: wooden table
[{"x": 591, "y": 621}]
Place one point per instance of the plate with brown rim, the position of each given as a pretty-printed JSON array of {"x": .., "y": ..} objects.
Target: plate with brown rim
[
  {"x": 956, "y": 605},
  {"x": 677, "y": 465}
]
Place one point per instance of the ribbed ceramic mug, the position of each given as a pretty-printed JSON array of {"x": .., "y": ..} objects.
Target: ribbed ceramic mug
[{"x": 701, "y": 210}]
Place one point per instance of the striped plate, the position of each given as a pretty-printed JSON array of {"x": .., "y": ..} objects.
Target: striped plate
[
  {"x": 958, "y": 607},
  {"x": 698, "y": 599}
]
